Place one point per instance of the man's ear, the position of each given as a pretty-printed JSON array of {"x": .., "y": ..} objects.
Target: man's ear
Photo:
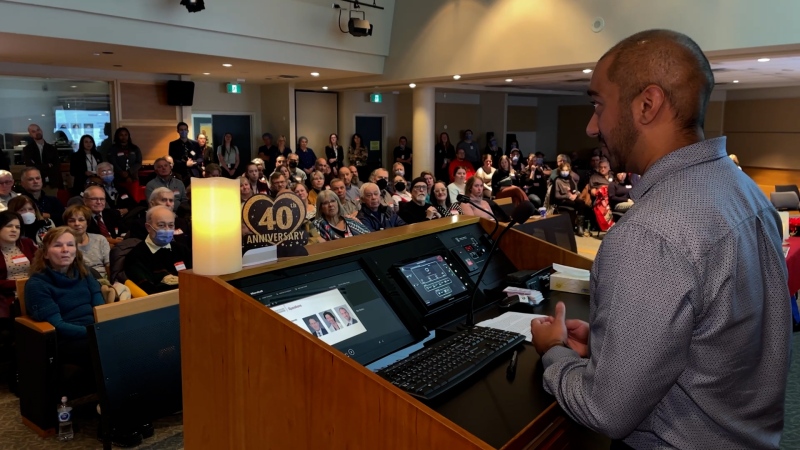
[{"x": 648, "y": 104}]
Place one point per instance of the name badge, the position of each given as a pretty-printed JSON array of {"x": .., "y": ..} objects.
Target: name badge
[
  {"x": 180, "y": 266},
  {"x": 123, "y": 196},
  {"x": 191, "y": 152},
  {"x": 538, "y": 176},
  {"x": 629, "y": 186},
  {"x": 177, "y": 193},
  {"x": 178, "y": 232},
  {"x": 20, "y": 259},
  {"x": 121, "y": 154}
]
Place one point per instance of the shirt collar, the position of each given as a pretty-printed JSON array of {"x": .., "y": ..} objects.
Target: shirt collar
[
  {"x": 678, "y": 160},
  {"x": 152, "y": 245}
]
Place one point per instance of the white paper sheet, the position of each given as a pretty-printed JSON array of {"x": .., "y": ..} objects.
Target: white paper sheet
[
  {"x": 572, "y": 271},
  {"x": 513, "y": 321}
]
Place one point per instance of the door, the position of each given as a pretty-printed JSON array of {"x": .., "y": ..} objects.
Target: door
[
  {"x": 239, "y": 127},
  {"x": 371, "y": 131}
]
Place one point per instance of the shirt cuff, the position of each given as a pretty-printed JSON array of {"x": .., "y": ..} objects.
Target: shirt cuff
[{"x": 557, "y": 353}]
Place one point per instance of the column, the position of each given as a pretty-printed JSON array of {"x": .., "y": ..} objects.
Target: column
[{"x": 424, "y": 128}]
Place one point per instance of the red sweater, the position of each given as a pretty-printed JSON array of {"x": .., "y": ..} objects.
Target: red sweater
[{"x": 465, "y": 164}]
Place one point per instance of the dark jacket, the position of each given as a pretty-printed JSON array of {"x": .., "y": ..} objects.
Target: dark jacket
[
  {"x": 147, "y": 269},
  {"x": 65, "y": 302},
  {"x": 9, "y": 287},
  {"x": 381, "y": 219},
  {"x": 618, "y": 193},
  {"x": 48, "y": 163},
  {"x": 181, "y": 152},
  {"x": 46, "y": 204},
  {"x": 113, "y": 221},
  {"x": 339, "y": 155},
  {"x": 411, "y": 212},
  {"x": 78, "y": 167},
  {"x": 128, "y": 159}
]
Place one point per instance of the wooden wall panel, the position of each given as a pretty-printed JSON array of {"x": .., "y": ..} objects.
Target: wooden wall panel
[
  {"x": 572, "y": 121},
  {"x": 778, "y": 115},
  {"x": 152, "y": 139},
  {"x": 770, "y": 177},
  {"x": 771, "y": 150},
  {"x": 714, "y": 119},
  {"x": 522, "y": 118},
  {"x": 458, "y": 117},
  {"x": 146, "y": 102}
]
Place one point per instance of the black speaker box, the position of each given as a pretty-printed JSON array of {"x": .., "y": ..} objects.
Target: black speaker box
[{"x": 180, "y": 93}]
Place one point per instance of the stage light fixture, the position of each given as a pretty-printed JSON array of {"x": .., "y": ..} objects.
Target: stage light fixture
[{"x": 193, "y": 5}]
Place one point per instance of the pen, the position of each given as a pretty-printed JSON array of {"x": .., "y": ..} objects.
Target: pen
[{"x": 511, "y": 372}]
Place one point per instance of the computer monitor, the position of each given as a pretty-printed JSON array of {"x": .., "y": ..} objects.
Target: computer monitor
[
  {"x": 342, "y": 307},
  {"x": 432, "y": 280}
]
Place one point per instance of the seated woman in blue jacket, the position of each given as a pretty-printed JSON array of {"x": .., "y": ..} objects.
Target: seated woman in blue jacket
[{"x": 61, "y": 291}]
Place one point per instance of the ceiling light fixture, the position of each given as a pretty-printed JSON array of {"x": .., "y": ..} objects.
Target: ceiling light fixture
[
  {"x": 96, "y": 54},
  {"x": 735, "y": 81},
  {"x": 227, "y": 65},
  {"x": 42, "y": 115},
  {"x": 314, "y": 74},
  {"x": 763, "y": 60},
  {"x": 456, "y": 77},
  {"x": 206, "y": 73},
  {"x": 412, "y": 85},
  {"x": 73, "y": 87},
  {"x": 324, "y": 88},
  {"x": 587, "y": 70},
  {"x": 509, "y": 80}
]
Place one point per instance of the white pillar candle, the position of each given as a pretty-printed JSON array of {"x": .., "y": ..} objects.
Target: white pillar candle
[{"x": 216, "y": 226}]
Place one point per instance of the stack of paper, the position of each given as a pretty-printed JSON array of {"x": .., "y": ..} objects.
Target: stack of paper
[{"x": 513, "y": 321}]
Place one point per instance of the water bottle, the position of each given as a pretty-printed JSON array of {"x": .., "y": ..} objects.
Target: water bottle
[{"x": 65, "y": 421}]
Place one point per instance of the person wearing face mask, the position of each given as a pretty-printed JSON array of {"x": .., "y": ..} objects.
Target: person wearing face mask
[
  {"x": 403, "y": 155},
  {"x": 471, "y": 151},
  {"x": 83, "y": 163},
  {"x": 400, "y": 195},
  {"x": 516, "y": 161},
  {"x": 154, "y": 263},
  {"x": 186, "y": 155},
  {"x": 513, "y": 145},
  {"x": 117, "y": 196},
  {"x": 381, "y": 179},
  {"x": 183, "y": 228},
  {"x": 398, "y": 169},
  {"x": 34, "y": 226},
  {"x": 565, "y": 193},
  {"x": 125, "y": 156},
  {"x": 494, "y": 150},
  {"x": 298, "y": 175}
]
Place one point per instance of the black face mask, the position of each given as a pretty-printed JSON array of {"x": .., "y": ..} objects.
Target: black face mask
[
  {"x": 400, "y": 186},
  {"x": 382, "y": 184},
  {"x": 292, "y": 165}
]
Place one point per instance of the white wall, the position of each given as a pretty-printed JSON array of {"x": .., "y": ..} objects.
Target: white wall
[{"x": 302, "y": 32}]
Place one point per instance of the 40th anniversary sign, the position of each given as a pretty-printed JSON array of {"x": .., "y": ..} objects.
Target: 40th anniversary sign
[{"x": 273, "y": 221}]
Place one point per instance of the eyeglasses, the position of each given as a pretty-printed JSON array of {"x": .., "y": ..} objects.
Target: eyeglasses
[
  {"x": 96, "y": 199},
  {"x": 7, "y": 183},
  {"x": 420, "y": 188}
]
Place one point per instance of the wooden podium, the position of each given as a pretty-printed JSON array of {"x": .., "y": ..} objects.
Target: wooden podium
[{"x": 254, "y": 380}]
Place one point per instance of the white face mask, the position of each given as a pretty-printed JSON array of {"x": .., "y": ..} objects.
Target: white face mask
[
  {"x": 565, "y": 174},
  {"x": 400, "y": 172},
  {"x": 515, "y": 159},
  {"x": 28, "y": 218}
]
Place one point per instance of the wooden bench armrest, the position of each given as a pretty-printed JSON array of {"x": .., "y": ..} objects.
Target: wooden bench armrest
[{"x": 42, "y": 327}]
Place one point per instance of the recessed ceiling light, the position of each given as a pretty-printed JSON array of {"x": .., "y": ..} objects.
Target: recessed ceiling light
[
  {"x": 412, "y": 85},
  {"x": 96, "y": 54},
  {"x": 314, "y": 74},
  {"x": 42, "y": 115},
  {"x": 73, "y": 87},
  {"x": 206, "y": 73},
  {"x": 456, "y": 77},
  {"x": 509, "y": 80},
  {"x": 762, "y": 59},
  {"x": 324, "y": 88},
  {"x": 587, "y": 70},
  {"x": 227, "y": 65},
  {"x": 735, "y": 81},
  {"x": 29, "y": 119}
]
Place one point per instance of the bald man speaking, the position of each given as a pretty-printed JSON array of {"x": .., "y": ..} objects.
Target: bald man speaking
[{"x": 688, "y": 340}]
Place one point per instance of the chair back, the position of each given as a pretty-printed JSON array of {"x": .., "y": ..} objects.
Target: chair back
[
  {"x": 21, "y": 296},
  {"x": 787, "y": 188},
  {"x": 783, "y": 201}
]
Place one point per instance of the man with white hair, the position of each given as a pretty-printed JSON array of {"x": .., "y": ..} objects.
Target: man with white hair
[
  {"x": 43, "y": 156},
  {"x": 164, "y": 197},
  {"x": 154, "y": 263},
  {"x": 165, "y": 178},
  {"x": 6, "y": 194},
  {"x": 105, "y": 221}
]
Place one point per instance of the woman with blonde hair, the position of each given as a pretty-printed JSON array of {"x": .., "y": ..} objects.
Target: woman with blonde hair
[{"x": 330, "y": 222}]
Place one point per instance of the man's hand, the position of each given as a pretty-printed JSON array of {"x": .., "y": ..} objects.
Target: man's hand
[
  {"x": 550, "y": 331},
  {"x": 189, "y": 162},
  {"x": 578, "y": 336}
]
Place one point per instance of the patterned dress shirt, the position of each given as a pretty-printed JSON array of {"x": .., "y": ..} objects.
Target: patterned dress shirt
[{"x": 689, "y": 315}]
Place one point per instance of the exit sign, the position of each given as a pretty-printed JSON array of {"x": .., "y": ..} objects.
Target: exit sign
[
  {"x": 376, "y": 98},
  {"x": 234, "y": 88}
]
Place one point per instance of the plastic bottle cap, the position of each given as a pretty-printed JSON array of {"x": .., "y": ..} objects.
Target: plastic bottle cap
[{"x": 64, "y": 399}]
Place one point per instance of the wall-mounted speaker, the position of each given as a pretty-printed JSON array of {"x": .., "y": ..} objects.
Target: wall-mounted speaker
[{"x": 180, "y": 93}]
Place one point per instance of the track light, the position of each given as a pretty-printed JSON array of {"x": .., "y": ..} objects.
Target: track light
[{"x": 193, "y": 5}]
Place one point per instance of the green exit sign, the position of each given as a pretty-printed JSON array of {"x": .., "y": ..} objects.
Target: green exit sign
[
  {"x": 234, "y": 88},
  {"x": 376, "y": 98}
]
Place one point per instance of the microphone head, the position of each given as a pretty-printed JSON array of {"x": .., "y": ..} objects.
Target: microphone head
[
  {"x": 461, "y": 198},
  {"x": 523, "y": 212}
]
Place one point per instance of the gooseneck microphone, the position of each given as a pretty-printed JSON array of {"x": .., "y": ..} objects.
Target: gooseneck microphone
[{"x": 521, "y": 214}]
